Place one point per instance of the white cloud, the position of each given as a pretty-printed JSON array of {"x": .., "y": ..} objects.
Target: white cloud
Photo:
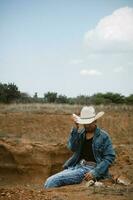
[
  {"x": 113, "y": 32},
  {"x": 76, "y": 61},
  {"x": 118, "y": 69},
  {"x": 130, "y": 63},
  {"x": 91, "y": 72}
]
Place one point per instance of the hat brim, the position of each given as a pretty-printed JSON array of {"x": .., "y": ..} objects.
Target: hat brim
[{"x": 88, "y": 121}]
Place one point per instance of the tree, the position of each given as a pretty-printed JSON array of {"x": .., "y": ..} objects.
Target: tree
[
  {"x": 129, "y": 99},
  {"x": 62, "y": 99},
  {"x": 9, "y": 92},
  {"x": 82, "y": 99},
  {"x": 71, "y": 100},
  {"x": 98, "y": 99},
  {"x": 2, "y": 93},
  {"x": 114, "y": 97},
  {"x": 50, "y": 97},
  {"x": 25, "y": 98},
  {"x": 35, "y": 95}
]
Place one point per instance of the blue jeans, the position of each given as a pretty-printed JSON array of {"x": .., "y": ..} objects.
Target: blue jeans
[{"x": 72, "y": 175}]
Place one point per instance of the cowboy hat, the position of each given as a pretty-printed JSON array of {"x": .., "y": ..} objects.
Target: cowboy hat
[{"x": 87, "y": 115}]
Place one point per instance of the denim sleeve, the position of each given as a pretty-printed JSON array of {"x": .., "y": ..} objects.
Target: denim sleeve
[
  {"x": 107, "y": 160},
  {"x": 74, "y": 140}
]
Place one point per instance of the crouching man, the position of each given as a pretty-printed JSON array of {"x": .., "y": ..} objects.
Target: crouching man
[{"x": 93, "y": 152}]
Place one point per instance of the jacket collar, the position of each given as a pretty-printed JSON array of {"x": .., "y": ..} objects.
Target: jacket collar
[{"x": 96, "y": 133}]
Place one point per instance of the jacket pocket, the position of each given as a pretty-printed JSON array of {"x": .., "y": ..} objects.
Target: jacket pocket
[{"x": 99, "y": 149}]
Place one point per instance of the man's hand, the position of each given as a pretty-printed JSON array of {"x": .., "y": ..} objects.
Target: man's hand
[
  {"x": 88, "y": 176},
  {"x": 75, "y": 121}
]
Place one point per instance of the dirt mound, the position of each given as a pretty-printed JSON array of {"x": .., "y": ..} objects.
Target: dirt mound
[
  {"x": 30, "y": 162},
  {"x": 73, "y": 192},
  {"x": 33, "y": 147}
]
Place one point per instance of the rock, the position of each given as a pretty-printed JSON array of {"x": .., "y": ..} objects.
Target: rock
[
  {"x": 99, "y": 184},
  {"x": 93, "y": 183},
  {"x": 123, "y": 181},
  {"x": 90, "y": 183}
]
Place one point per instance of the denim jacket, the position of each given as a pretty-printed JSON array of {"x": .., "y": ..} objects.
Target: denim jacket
[{"x": 103, "y": 151}]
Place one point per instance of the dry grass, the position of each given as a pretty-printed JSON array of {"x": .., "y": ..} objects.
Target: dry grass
[
  {"x": 38, "y": 119},
  {"x": 58, "y": 108}
]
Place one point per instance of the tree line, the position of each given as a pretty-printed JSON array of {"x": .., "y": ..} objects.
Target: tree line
[{"x": 10, "y": 93}]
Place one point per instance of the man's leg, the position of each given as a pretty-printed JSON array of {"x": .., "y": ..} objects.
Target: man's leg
[{"x": 68, "y": 176}]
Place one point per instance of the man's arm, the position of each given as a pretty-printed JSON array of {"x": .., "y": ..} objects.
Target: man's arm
[
  {"x": 108, "y": 158},
  {"x": 73, "y": 141}
]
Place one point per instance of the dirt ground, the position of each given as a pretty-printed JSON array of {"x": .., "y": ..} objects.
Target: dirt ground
[{"x": 33, "y": 147}]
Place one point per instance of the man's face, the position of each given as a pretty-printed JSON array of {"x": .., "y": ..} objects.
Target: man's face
[{"x": 90, "y": 127}]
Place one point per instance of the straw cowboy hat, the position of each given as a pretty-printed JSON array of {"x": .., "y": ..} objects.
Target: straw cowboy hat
[{"x": 87, "y": 115}]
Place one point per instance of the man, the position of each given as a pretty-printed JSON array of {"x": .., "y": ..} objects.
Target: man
[{"x": 93, "y": 152}]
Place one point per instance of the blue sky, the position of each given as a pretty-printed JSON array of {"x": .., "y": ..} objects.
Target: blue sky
[{"x": 71, "y": 47}]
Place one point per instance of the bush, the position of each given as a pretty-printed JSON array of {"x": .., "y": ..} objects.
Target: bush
[
  {"x": 50, "y": 97},
  {"x": 129, "y": 99},
  {"x": 9, "y": 92}
]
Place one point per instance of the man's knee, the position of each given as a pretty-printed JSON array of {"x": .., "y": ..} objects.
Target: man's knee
[{"x": 51, "y": 182}]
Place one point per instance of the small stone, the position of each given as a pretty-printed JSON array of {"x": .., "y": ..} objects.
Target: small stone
[
  {"x": 123, "y": 182},
  {"x": 90, "y": 183},
  {"x": 3, "y": 194},
  {"x": 99, "y": 184}
]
